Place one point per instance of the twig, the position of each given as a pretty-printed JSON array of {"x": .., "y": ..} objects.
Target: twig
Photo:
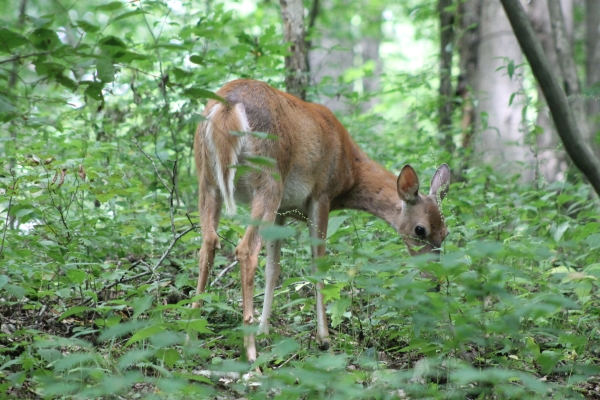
[
  {"x": 17, "y": 58},
  {"x": 288, "y": 360},
  {"x": 128, "y": 279},
  {"x": 152, "y": 269},
  {"x": 175, "y": 239},
  {"x": 263, "y": 293},
  {"x": 171, "y": 189},
  {"x": 154, "y": 165},
  {"x": 14, "y": 185},
  {"x": 222, "y": 273}
]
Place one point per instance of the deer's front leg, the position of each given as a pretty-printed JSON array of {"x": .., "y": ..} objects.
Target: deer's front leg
[
  {"x": 272, "y": 271},
  {"x": 318, "y": 219}
]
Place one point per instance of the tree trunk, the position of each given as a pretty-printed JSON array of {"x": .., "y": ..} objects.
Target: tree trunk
[
  {"x": 551, "y": 159},
  {"x": 502, "y": 141},
  {"x": 296, "y": 80},
  {"x": 592, "y": 63},
  {"x": 470, "y": 24},
  {"x": 566, "y": 60},
  {"x": 557, "y": 101},
  {"x": 445, "y": 90}
]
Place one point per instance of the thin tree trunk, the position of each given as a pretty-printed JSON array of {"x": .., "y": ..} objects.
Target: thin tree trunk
[
  {"x": 500, "y": 100},
  {"x": 574, "y": 143},
  {"x": 551, "y": 158},
  {"x": 566, "y": 60},
  {"x": 445, "y": 90},
  {"x": 296, "y": 80},
  {"x": 470, "y": 18},
  {"x": 592, "y": 62}
]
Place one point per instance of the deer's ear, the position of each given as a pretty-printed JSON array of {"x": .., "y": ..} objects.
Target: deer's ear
[
  {"x": 440, "y": 183},
  {"x": 408, "y": 184}
]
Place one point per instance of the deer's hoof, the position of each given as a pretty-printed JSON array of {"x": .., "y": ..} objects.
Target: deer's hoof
[{"x": 325, "y": 344}]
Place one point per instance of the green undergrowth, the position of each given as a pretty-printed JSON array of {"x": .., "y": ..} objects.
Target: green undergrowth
[{"x": 99, "y": 234}]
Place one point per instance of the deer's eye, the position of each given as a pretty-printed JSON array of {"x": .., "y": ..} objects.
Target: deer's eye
[{"x": 419, "y": 230}]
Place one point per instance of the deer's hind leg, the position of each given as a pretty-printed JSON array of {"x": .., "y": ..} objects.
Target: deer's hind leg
[{"x": 265, "y": 204}]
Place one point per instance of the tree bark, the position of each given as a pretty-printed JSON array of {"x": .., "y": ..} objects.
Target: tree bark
[
  {"x": 551, "y": 158},
  {"x": 592, "y": 79},
  {"x": 470, "y": 18},
  {"x": 445, "y": 90},
  {"x": 557, "y": 101},
  {"x": 501, "y": 141},
  {"x": 566, "y": 60},
  {"x": 296, "y": 80}
]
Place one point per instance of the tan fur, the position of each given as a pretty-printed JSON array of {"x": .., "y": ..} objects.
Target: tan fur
[{"x": 318, "y": 168}]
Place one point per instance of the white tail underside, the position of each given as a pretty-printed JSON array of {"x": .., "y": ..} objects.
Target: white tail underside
[{"x": 224, "y": 173}]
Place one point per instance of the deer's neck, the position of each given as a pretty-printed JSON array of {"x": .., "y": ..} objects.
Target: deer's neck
[{"x": 374, "y": 192}]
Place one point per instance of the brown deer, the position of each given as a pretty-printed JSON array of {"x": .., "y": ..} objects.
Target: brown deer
[{"x": 317, "y": 168}]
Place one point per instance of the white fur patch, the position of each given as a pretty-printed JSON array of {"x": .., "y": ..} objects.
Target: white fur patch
[{"x": 225, "y": 178}]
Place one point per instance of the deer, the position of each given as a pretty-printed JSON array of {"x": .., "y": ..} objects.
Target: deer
[{"x": 316, "y": 168}]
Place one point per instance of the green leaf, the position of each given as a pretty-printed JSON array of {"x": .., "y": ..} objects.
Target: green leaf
[
  {"x": 335, "y": 223},
  {"x": 169, "y": 356},
  {"x": 129, "y": 14},
  {"x": 196, "y": 59},
  {"x": 259, "y": 160},
  {"x": 105, "y": 69},
  {"x": 332, "y": 291},
  {"x": 10, "y": 40},
  {"x": 77, "y": 276},
  {"x": 560, "y": 231},
  {"x": 264, "y": 135},
  {"x": 86, "y": 26},
  {"x": 145, "y": 334},
  {"x": 115, "y": 5},
  {"x": 94, "y": 90},
  {"x": 44, "y": 39},
  {"x": 548, "y": 360},
  {"x": 77, "y": 310},
  {"x": 277, "y": 232},
  {"x": 198, "y": 93},
  {"x": 196, "y": 325},
  {"x": 17, "y": 291},
  {"x": 66, "y": 82},
  {"x": 593, "y": 241},
  {"x": 121, "y": 329},
  {"x": 3, "y": 280},
  {"x": 510, "y": 68},
  {"x": 338, "y": 309},
  {"x": 133, "y": 357}
]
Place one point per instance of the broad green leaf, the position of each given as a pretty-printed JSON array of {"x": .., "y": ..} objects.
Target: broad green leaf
[
  {"x": 332, "y": 291},
  {"x": 10, "y": 40},
  {"x": 3, "y": 280},
  {"x": 196, "y": 59},
  {"x": 277, "y": 232},
  {"x": 258, "y": 160},
  {"x": 44, "y": 39},
  {"x": 86, "y": 26},
  {"x": 115, "y": 5},
  {"x": 560, "y": 231},
  {"x": 14, "y": 290},
  {"x": 77, "y": 310},
  {"x": 335, "y": 223},
  {"x": 196, "y": 325},
  {"x": 145, "y": 333},
  {"x": 199, "y": 93},
  {"x": 105, "y": 69},
  {"x": 169, "y": 356},
  {"x": 120, "y": 329},
  {"x": 94, "y": 90},
  {"x": 129, "y": 14},
  {"x": 76, "y": 275}
]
